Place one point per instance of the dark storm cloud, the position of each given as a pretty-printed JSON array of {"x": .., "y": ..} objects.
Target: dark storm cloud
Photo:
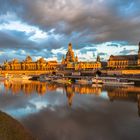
[
  {"x": 15, "y": 40},
  {"x": 19, "y": 46},
  {"x": 81, "y": 22},
  {"x": 98, "y": 21}
]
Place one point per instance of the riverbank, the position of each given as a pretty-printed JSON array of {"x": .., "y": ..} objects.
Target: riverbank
[{"x": 10, "y": 129}]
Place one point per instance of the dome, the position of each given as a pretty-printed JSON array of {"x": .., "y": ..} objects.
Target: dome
[
  {"x": 28, "y": 59},
  {"x": 41, "y": 60},
  {"x": 15, "y": 61}
]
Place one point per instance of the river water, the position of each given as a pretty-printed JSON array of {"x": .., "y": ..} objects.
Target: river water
[{"x": 73, "y": 112}]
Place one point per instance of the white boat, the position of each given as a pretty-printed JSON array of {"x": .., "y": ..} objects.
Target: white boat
[
  {"x": 115, "y": 81},
  {"x": 62, "y": 81},
  {"x": 84, "y": 81}
]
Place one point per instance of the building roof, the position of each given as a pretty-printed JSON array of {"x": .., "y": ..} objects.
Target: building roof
[{"x": 124, "y": 57}]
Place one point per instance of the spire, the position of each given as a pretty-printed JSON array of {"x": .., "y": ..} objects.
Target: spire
[
  {"x": 70, "y": 46},
  {"x": 98, "y": 59},
  {"x": 139, "y": 47}
]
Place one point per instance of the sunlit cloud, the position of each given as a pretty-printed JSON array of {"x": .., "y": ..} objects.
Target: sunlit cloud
[
  {"x": 60, "y": 50},
  {"x": 35, "y": 32}
]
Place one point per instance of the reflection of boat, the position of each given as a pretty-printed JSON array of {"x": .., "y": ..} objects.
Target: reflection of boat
[
  {"x": 115, "y": 81},
  {"x": 97, "y": 85},
  {"x": 97, "y": 81},
  {"x": 62, "y": 81},
  {"x": 2, "y": 78}
]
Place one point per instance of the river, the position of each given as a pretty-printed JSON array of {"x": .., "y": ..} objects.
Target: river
[{"x": 73, "y": 112}]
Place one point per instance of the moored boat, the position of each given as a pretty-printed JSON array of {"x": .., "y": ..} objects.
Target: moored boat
[
  {"x": 43, "y": 78},
  {"x": 115, "y": 81},
  {"x": 62, "y": 80},
  {"x": 84, "y": 81}
]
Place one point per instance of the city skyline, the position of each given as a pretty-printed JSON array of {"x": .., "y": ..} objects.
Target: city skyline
[{"x": 44, "y": 28}]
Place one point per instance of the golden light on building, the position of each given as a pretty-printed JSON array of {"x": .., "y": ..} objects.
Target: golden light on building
[
  {"x": 71, "y": 62},
  {"x": 29, "y": 64},
  {"x": 124, "y": 61}
]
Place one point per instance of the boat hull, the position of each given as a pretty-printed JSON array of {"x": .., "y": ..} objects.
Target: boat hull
[{"x": 84, "y": 81}]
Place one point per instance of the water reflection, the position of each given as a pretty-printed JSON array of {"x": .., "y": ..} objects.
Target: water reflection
[
  {"x": 56, "y": 111},
  {"x": 29, "y": 87},
  {"x": 128, "y": 93}
]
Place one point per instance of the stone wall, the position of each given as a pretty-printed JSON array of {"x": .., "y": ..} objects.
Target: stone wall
[
  {"x": 3, "y": 72},
  {"x": 120, "y": 72}
]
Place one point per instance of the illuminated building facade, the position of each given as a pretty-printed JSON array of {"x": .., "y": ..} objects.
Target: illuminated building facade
[
  {"x": 124, "y": 61},
  {"x": 29, "y": 64},
  {"x": 71, "y": 62}
]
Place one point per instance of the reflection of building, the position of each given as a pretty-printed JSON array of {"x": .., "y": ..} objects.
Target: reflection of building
[
  {"x": 138, "y": 100},
  {"x": 81, "y": 89},
  {"x": 123, "y": 61},
  {"x": 71, "y": 62},
  {"x": 29, "y": 87},
  {"x": 28, "y": 64},
  {"x": 69, "y": 94},
  {"x": 126, "y": 94},
  {"x": 86, "y": 89}
]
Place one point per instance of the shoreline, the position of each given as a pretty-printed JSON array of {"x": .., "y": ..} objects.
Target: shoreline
[{"x": 11, "y": 129}]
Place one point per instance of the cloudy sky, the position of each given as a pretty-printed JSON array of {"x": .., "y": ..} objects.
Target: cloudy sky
[{"x": 43, "y": 28}]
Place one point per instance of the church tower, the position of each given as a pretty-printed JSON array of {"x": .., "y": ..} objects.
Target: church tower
[
  {"x": 139, "y": 55},
  {"x": 98, "y": 59},
  {"x": 70, "y": 54},
  {"x": 70, "y": 57}
]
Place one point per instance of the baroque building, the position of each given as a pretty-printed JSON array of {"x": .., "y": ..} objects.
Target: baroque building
[
  {"x": 70, "y": 57},
  {"x": 29, "y": 64},
  {"x": 124, "y": 61},
  {"x": 71, "y": 62}
]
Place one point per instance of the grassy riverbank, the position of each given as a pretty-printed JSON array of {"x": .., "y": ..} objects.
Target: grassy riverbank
[{"x": 10, "y": 129}]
